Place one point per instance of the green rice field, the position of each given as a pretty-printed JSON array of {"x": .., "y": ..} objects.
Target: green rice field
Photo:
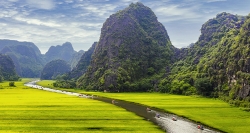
[
  {"x": 212, "y": 112},
  {"x": 23, "y": 109}
]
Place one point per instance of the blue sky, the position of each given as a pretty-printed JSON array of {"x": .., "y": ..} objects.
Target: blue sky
[{"x": 53, "y": 22}]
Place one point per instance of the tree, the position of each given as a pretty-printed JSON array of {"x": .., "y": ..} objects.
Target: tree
[
  {"x": 12, "y": 84},
  {"x": 203, "y": 86}
]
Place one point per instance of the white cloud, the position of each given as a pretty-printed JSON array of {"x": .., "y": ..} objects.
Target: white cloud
[
  {"x": 41, "y": 4},
  {"x": 209, "y": 1},
  {"x": 13, "y": 0},
  {"x": 130, "y": 1},
  {"x": 37, "y": 22},
  {"x": 100, "y": 10},
  {"x": 176, "y": 12}
]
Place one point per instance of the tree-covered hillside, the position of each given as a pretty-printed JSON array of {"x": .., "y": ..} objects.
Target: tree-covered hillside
[
  {"x": 7, "y": 69},
  {"x": 54, "y": 68},
  {"x": 26, "y": 56},
  {"x": 133, "y": 48},
  {"x": 217, "y": 65}
]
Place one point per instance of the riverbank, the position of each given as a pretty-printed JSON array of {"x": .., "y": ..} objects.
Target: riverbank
[{"x": 212, "y": 112}]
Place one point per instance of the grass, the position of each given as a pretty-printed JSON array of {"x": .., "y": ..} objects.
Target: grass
[
  {"x": 212, "y": 112},
  {"x": 24, "y": 109}
]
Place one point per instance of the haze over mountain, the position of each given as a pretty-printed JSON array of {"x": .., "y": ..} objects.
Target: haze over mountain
[
  {"x": 64, "y": 52},
  {"x": 28, "y": 59},
  {"x": 26, "y": 56}
]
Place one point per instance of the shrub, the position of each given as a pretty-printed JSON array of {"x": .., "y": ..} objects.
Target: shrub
[{"x": 12, "y": 84}]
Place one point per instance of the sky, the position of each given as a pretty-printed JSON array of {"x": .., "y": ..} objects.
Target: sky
[{"x": 54, "y": 22}]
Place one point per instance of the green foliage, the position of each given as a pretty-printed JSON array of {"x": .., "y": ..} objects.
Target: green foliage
[
  {"x": 12, "y": 84},
  {"x": 218, "y": 63},
  {"x": 65, "y": 84},
  {"x": 203, "y": 86},
  {"x": 1, "y": 78},
  {"x": 7, "y": 69}
]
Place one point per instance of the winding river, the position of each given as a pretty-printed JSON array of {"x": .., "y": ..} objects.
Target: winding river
[{"x": 165, "y": 121}]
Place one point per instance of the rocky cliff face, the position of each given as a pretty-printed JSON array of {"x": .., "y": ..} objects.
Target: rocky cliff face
[
  {"x": 75, "y": 58},
  {"x": 133, "y": 45},
  {"x": 63, "y": 52},
  {"x": 238, "y": 63},
  {"x": 83, "y": 63}
]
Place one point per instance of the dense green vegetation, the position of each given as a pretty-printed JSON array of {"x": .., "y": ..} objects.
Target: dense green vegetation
[
  {"x": 132, "y": 53},
  {"x": 24, "y": 109},
  {"x": 217, "y": 64},
  {"x": 7, "y": 69},
  {"x": 54, "y": 68}
]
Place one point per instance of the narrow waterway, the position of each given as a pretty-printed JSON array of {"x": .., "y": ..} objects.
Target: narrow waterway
[{"x": 164, "y": 120}]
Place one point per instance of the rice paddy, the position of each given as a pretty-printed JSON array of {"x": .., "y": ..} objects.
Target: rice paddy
[
  {"x": 24, "y": 109},
  {"x": 212, "y": 112}
]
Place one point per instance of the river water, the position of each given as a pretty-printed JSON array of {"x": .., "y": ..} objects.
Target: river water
[{"x": 180, "y": 125}]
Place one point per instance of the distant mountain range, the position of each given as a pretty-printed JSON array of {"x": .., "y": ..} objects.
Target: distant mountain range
[{"x": 29, "y": 61}]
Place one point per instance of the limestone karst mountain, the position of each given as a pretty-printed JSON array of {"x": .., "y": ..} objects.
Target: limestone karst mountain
[
  {"x": 26, "y": 56},
  {"x": 54, "y": 68},
  {"x": 64, "y": 52},
  {"x": 133, "y": 45}
]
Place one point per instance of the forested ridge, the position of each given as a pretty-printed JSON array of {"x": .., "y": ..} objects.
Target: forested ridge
[{"x": 217, "y": 65}]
